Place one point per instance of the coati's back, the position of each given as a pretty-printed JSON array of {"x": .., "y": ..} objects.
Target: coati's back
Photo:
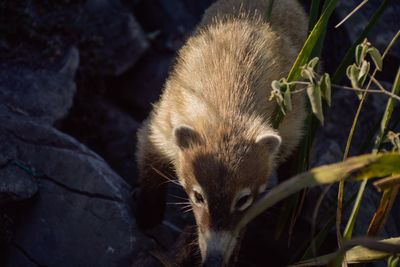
[
  {"x": 228, "y": 65},
  {"x": 212, "y": 125}
]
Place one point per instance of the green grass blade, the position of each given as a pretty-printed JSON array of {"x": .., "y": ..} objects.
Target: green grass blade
[
  {"x": 358, "y": 251},
  {"x": 314, "y": 12},
  {"x": 348, "y": 231},
  {"x": 311, "y": 41},
  {"x": 349, "y": 56},
  {"x": 388, "y": 111},
  {"x": 306, "y": 53},
  {"x": 350, "y": 224},
  {"x": 355, "y": 168}
]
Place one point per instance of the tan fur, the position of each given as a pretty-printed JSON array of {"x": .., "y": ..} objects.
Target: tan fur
[{"x": 220, "y": 87}]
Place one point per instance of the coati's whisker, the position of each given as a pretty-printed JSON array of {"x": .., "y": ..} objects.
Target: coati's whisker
[
  {"x": 165, "y": 176},
  {"x": 188, "y": 210},
  {"x": 186, "y": 207},
  {"x": 178, "y": 203},
  {"x": 183, "y": 198}
]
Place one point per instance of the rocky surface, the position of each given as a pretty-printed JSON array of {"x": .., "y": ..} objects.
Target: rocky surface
[
  {"x": 45, "y": 95},
  {"x": 60, "y": 203},
  {"x": 82, "y": 208},
  {"x": 15, "y": 184}
]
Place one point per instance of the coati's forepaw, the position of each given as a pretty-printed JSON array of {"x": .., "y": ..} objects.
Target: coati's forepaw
[{"x": 146, "y": 214}]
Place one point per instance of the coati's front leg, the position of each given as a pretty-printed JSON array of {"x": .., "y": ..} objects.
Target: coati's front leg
[{"x": 154, "y": 172}]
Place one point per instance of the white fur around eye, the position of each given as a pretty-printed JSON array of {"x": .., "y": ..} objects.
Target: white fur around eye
[
  {"x": 262, "y": 188},
  {"x": 242, "y": 206},
  {"x": 197, "y": 191}
]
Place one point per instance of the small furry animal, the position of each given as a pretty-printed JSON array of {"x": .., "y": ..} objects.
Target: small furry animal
[{"x": 212, "y": 126}]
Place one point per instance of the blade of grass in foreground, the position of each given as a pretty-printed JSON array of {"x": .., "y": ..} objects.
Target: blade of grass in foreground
[
  {"x": 314, "y": 10},
  {"x": 358, "y": 251},
  {"x": 388, "y": 111},
  {"x": 351, "y": 222},
  {"x": 389, "y": 195},
  {"x": 291, "y": 208},
  {"x": 305, "y": 53},
  {"x": 357, "y": 168}
]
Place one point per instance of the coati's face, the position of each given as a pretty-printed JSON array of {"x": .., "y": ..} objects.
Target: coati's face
[{"x": 222, "y": 180}]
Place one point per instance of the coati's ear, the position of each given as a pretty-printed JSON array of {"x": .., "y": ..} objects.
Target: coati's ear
[
  {"x": 271, "y": 141},
  {"x": 186, "y": 136}
]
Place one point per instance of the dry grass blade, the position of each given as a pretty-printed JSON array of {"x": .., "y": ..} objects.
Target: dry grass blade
[
  {"x": 387, "y": 183},
  {"x": 351, "y": 13},
  {"x": 360, "y": 167},
  {"x": 351, "y": 222},
  {"x": 382, "y": 212},
  {"x": 357, "y": 251}
]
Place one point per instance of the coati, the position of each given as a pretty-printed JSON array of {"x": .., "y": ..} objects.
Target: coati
[{"x": 212, "y": 124}]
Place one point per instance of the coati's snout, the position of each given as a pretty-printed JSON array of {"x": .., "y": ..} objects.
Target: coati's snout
[{"x": 222, "y": 180}]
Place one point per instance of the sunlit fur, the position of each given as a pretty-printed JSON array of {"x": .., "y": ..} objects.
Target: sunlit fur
[{"x": 219, "y": 87}]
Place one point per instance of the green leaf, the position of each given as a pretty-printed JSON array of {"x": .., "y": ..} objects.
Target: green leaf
[
  {"x": 325, "y": 83},
  {"x": 307, "y": 73},
  {"x": 359, "y": 54},
  {"x": 313, "y": 63},
  {"x": 376, "y": 57},
  {"x": 352, "y": 74},
  {"x": 305, "y": 53},
  {"x": 314, "y": 95},
  {"x": 364, "y": 70}
]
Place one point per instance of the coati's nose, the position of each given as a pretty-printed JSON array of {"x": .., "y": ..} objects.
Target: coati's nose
[{"x": 214, "y": 260}]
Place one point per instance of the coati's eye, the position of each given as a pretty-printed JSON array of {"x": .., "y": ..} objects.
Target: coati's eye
[
  {"x": 243, "y": 200},
  {"x": 198, "y": 198}
]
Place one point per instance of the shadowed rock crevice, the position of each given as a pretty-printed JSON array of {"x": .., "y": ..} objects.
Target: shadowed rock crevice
[{"x": 27, "y": 256}]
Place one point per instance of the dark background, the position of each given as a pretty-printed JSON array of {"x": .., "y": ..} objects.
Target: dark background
[{"x": 77, "y": 77}]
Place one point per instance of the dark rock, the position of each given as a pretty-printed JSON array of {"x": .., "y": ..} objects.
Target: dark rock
[
  {"x": 81, "y": 215},
  {"x": 43, "y": 94},
  {"x": 108, "y": 37},
  {"x": 121, "y": 41},
  {"x": 325, "y": 151},
  {"x": 142, "y": 85},
  {"x": 107, "y": 130},
  {"x": 339, "y": 119},
  {"x": 15, "y": 184}
]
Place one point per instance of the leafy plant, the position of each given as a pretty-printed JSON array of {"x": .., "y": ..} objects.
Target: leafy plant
[{"x": 318, "y": 88}]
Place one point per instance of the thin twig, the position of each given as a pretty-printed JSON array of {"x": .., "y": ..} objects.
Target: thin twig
[
  {"x": 380, "y": 91},
  {"x": 351, "y": 13}
]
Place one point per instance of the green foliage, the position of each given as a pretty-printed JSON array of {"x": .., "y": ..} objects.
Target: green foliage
[
  {"x": 305, "y": 53},
  {"x": 318, "y": 88}
]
